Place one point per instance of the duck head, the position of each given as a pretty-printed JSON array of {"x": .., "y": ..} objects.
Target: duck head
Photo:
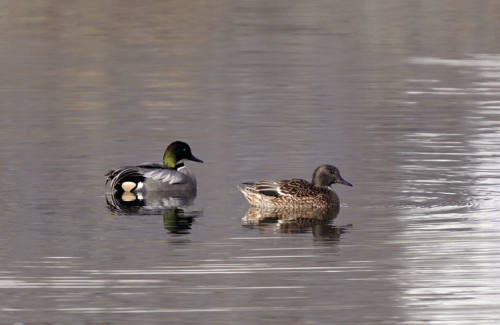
[
  {"x": 326, "y": 175},
  {"x": 176, "y": 153}
]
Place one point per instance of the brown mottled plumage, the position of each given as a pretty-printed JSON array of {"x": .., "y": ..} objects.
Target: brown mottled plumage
[{"x": 296, "y": 192}]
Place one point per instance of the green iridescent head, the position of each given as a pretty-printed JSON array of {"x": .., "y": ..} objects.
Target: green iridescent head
[{"x": 176, "y": 153}]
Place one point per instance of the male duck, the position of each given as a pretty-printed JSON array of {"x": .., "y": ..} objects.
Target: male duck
[
  {"x": 172, "y": 175},
  {"x": 296, "y": 193}
]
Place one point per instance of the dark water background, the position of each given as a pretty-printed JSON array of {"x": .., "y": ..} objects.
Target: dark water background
[{"x": 402, "y": 96}]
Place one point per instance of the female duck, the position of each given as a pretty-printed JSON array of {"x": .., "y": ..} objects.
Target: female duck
[
  {"x": 296, "y": 193},
  {"x": 172, "y": 175}
]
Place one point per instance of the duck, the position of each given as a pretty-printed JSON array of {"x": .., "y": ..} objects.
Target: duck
[
  {"x": 296, "y": 193},
  {"x": 170, "y": 176}
]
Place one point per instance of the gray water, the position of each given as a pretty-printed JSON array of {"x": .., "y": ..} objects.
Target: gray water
[{"x": 402, "y": 96}]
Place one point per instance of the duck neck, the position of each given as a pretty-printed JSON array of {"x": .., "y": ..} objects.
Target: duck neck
[
  {"x": 170, "y": 160},
  {"x": 319, "y": 181}
]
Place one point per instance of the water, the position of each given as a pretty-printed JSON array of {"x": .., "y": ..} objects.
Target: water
[{"x": 403, "y": 97}]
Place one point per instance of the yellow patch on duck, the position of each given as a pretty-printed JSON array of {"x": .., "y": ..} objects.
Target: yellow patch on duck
[
  {"x": 128, "y": 197},
  {"x": 128, "y": 186}
]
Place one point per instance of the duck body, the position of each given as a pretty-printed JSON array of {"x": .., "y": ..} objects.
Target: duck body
[
  {"x": 288, "y": 193},
  {"x": 171, "y": 176},
  {"x": 296, "y": 193},
  {"x": 151, "y": 177}
]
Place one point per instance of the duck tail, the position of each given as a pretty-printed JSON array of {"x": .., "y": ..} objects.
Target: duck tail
[
  {"x": 250, "y": 193},
  {"x": 246, "y": 187},
  {"x": 109, "y": 175},
  {"x": 127, "y": 175}
]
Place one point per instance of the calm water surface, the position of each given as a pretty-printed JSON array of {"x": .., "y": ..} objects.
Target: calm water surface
[{"x": 403, "y": 97}]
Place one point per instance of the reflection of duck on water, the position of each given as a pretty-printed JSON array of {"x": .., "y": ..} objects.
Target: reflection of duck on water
[
  {"x": 149, "y": 203},
  {"x": 175, "y": 219},
  {"x": 296, "y": 221}
]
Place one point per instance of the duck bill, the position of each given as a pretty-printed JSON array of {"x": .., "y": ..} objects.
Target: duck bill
[
  {"x": 343, "y": 181},
  {"x": 193, "y": 158}
]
